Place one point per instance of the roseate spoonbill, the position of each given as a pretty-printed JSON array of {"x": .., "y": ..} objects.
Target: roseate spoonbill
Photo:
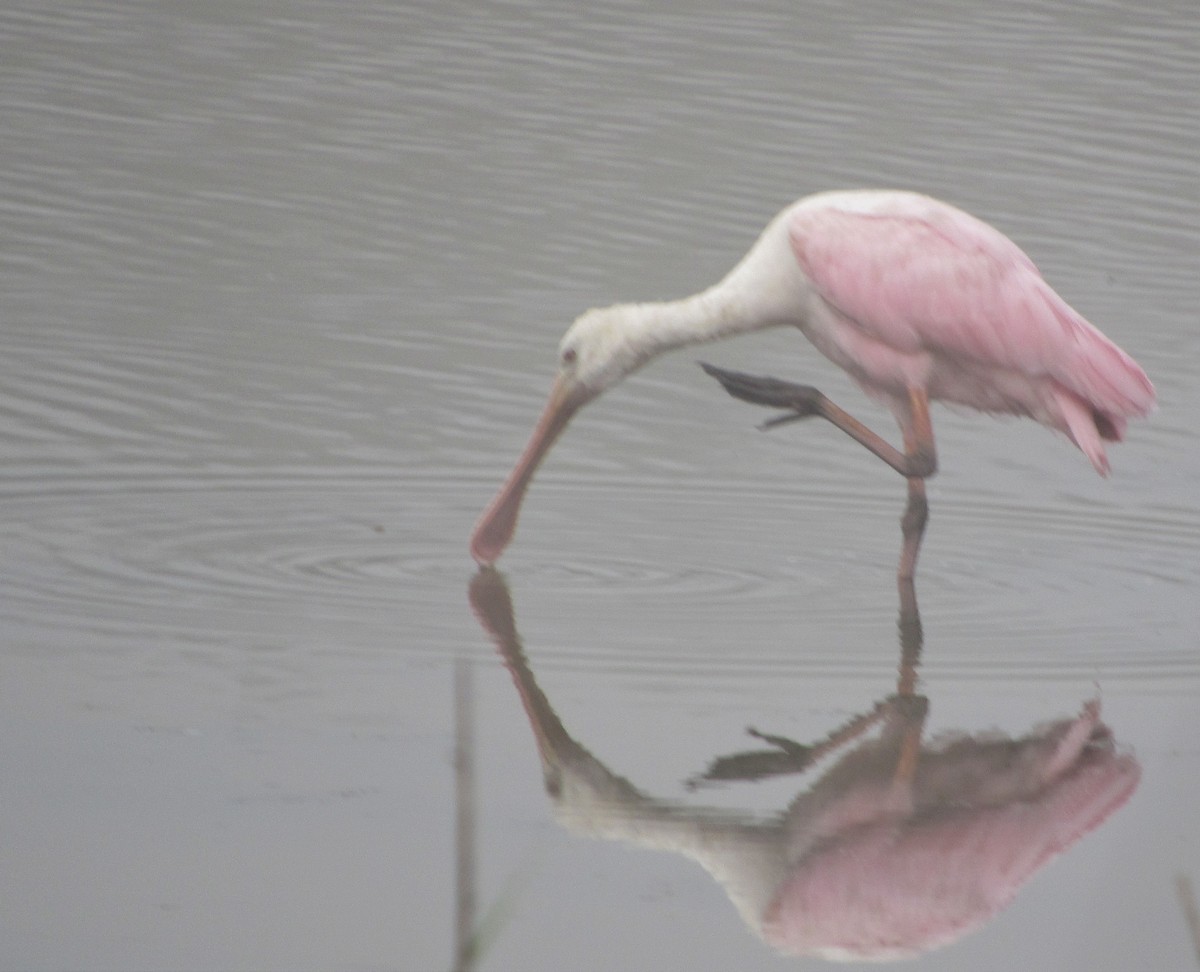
[{"x": 914, "y": 298}]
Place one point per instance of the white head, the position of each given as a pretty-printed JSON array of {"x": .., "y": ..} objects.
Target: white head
[{"x": 604, "y": 346}]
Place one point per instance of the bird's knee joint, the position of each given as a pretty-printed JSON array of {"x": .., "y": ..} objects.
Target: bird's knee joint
[{"x": 922, "y": 464}]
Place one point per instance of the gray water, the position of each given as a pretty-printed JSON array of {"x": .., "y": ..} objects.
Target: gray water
[{"x": 280, "y": 288}]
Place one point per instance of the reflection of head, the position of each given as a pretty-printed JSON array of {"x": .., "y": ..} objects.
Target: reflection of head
[{"x": 985, "y": 816}]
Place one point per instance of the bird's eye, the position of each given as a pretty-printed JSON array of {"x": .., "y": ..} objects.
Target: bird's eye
[{"x": 569, "y": 355}]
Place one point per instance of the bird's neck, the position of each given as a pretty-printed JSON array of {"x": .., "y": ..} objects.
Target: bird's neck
[
  {"x": 765, "y": 289},
  {"x": 713, "y": 314}
]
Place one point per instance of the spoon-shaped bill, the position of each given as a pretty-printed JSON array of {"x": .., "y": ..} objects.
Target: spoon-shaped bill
[{"x": 499, "y": 521}]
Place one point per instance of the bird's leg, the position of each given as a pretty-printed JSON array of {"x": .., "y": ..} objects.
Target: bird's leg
[
  {"x": 912, "y": 527},
  {"x": 920, "y": 458},
  {"x": 918, "y": 446},
  {"x": 915, "y": 463}
]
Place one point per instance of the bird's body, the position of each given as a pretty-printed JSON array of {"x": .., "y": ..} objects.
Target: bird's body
[
  {"x": 903, "y": 291},
  {"x": 915, "y": 299}
]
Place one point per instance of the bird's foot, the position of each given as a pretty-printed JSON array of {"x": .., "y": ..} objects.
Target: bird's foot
[
  {"x": 786, "y": 756},
  {"x": 793, "y": 416},
  {"x": 802, "y": 401}
]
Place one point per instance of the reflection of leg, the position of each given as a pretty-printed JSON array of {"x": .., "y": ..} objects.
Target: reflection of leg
[
  {"x": 910, "y": 708},
  {"x": 788, "y": 756},
  {"x": 911, "y": 637},
  {"x": 847, "y": 732},
  {"x": 921, "y": 451},
  {"x": 913, "y": 709}
]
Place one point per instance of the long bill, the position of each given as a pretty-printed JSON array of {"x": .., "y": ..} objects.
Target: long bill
[{"x": 499, "y": 521}]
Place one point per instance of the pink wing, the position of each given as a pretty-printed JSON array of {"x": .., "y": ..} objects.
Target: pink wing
[{"x": 919, "y": 275}]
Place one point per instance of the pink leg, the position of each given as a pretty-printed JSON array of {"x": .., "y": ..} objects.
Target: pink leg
[
  {"x": 917, "y": 462},
  {"x": 803, "y": 401}
]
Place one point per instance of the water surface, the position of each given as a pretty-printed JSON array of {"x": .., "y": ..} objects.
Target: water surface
[{"x": 280, "y": 288}]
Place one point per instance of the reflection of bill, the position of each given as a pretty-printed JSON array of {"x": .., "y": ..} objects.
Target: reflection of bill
[{"x": 900, "y": 846}]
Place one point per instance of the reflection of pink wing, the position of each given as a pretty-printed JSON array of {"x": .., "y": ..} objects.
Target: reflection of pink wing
[{"x": 895, "y": 888}]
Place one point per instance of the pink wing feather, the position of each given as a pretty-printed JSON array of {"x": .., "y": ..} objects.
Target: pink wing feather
[{"x": 923, "y": 276}]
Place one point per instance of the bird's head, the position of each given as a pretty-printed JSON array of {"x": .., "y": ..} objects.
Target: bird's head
[
  {"x": 599, "y": 349},
  {"x": 602, "y": 347}
]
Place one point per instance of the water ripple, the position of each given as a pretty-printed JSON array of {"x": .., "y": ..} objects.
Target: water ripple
[{"x": 346, "y": 541}]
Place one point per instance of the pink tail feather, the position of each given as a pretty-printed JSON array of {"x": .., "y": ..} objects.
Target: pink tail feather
[{"x": 1101, "y": 373}]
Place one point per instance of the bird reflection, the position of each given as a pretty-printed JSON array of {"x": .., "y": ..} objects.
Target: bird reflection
[{"x": 900, "y": 846}]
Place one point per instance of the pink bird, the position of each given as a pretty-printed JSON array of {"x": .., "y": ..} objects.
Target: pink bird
[{"x": 915, "y": 299}]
